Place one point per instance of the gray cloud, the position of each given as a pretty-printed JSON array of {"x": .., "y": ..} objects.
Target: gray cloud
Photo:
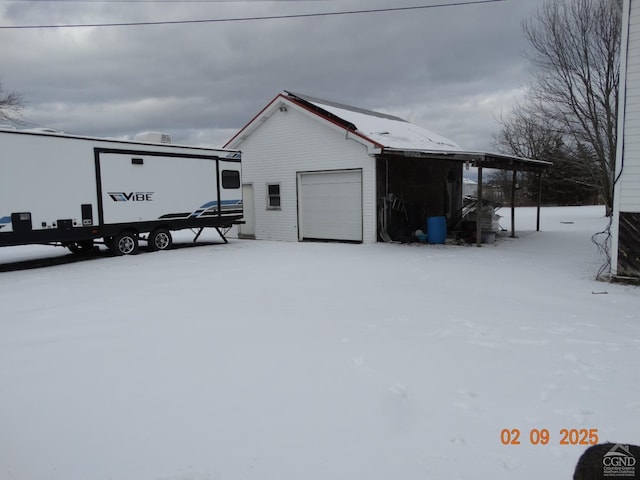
[{"x": 449, "y": 69}]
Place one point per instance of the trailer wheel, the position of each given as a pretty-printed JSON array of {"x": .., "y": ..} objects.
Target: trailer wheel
[
  {"x": 160, "y": 239},
  {"x": 125, "y": 243}
]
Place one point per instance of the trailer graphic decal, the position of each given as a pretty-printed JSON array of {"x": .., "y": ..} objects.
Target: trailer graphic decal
[
  {"x": 226, "y": 206},
  {"x": 131, "y": 196},
  {"x": 4, "y": 221},
  {"x": 210, "y": 209}
]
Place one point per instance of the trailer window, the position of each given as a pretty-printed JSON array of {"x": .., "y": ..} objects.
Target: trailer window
[
  {"x": 230, "y": 179},
  {"x": 273, "y": 196}
]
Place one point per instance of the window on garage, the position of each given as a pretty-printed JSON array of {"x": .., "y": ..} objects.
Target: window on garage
[{"x": 273, "y": 196}]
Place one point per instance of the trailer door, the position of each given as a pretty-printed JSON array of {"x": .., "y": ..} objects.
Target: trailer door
[{"x": 230, "y": 188}]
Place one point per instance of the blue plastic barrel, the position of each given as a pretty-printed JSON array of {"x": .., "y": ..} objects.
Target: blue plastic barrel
[{"x": 436, "y": 229}]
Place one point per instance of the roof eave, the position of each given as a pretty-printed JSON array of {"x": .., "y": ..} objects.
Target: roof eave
[{"x": 476, "y": 159}]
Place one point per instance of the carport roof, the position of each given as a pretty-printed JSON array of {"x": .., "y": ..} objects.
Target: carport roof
[{"x": 475, "y": 159}]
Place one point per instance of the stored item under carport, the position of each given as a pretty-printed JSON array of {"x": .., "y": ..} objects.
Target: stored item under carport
[{"x": 436, "y": 230}]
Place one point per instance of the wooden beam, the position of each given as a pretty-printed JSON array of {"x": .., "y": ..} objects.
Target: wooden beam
[
  {"x": 479, "y": 210},
  {"x": 514, "y": 179},
  {"x": 539, "y": 201}
]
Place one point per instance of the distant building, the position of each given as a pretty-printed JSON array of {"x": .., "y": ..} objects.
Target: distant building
[{"x": 469, "y": 187}]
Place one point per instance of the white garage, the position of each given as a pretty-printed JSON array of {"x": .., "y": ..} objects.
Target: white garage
[
  {"x": 314, "y": 169},
  {"x": 330, "y": 205}
]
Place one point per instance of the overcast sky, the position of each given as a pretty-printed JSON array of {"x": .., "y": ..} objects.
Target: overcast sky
[{"x": 452, "y": 69}]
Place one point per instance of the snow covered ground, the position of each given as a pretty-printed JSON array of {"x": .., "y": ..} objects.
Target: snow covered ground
[{"x": 288, "y": 361}]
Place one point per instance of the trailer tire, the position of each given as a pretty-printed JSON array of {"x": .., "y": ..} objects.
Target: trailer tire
[
  {"x": 160, "y": 239},
  {"x": 126, "y": 243}
]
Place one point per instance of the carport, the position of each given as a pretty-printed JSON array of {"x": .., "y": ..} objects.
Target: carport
[{"x": 447, "y": 170}]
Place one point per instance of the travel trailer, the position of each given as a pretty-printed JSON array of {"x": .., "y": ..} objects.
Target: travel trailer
[{"x": 77, "y": 191}]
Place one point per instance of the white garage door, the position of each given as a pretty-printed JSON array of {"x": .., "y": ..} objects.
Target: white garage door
[{"x": 330, "y": 205}]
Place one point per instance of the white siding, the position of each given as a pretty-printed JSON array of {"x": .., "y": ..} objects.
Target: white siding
[
  {"x": 628, "y": 185},
  {"x": 293, "y": 141},
  {"x": 628, "y": 154}
]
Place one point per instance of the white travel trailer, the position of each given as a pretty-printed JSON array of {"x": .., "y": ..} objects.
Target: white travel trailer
[{"x": 74, "y": 191}]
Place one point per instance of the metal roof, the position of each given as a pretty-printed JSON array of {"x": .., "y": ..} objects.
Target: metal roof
[{"x": 383, "y": 130}]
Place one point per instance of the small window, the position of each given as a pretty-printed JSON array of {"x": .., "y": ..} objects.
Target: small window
[
  {"x": 230, "y": 179},
  {"x": 273, "y": 196}
]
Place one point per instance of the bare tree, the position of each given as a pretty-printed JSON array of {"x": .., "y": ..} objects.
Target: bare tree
[
  {"x": 11, "y": 106},
  {"x": 524, "y": 134},
  {"x": 569, "y": 181},
  {"x": 576, "y": 53}
]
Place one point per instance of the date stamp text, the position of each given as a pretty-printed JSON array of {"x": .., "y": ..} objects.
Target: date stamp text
[{"x": 542, "y": 436}]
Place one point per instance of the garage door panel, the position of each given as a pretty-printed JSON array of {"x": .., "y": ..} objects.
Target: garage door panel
[
  {"x": 331, "y": 205},
  {"x": 332, "y": 178}
]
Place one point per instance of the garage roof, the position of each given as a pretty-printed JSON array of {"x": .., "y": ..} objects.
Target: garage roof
[{"x": 386, "y": 130}]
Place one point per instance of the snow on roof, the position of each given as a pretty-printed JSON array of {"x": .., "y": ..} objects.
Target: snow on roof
[{"x": 387, "y": 130}]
